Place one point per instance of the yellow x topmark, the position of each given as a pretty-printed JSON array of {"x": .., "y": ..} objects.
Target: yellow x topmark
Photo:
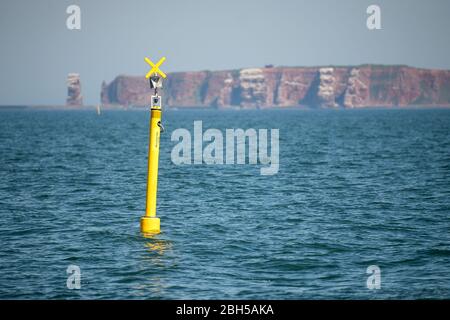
[{"x": 155, "y": 67}]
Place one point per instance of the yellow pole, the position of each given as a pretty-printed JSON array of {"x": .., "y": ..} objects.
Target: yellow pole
[{"x": 150, "y": 223}]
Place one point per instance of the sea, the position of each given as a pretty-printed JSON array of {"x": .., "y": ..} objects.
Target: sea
[{"x": 359, "y": 208}]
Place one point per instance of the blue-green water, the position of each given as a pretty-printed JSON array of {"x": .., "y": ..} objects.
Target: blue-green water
[{"x": 354, "y": 188}]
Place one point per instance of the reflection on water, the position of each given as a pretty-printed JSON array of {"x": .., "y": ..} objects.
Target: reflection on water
[
  {"x": 157, "y": 259},
  {"x": 155, "y": 245}
]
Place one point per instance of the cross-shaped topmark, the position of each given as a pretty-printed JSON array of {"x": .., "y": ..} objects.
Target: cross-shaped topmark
[{"x": 155, "y": 67}]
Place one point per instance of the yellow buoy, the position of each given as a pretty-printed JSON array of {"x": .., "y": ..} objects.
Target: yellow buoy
[{"x": 150, "y": 224}]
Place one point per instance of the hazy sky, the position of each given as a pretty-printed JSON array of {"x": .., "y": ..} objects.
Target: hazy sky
[{"x": 37, "y": 49}]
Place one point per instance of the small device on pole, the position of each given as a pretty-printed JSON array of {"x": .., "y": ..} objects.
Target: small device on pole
[{"x": 150, "y": 224}]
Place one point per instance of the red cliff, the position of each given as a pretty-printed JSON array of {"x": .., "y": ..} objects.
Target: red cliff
[{"x": 349, "y": 87}]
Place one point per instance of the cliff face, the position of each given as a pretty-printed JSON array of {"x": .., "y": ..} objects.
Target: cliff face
[{"x": 349, "y": 87}]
